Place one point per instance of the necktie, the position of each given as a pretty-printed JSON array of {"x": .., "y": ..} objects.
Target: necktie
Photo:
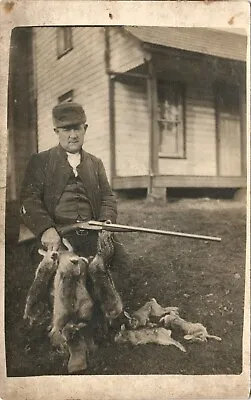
[{"x": 74, "y": 160}]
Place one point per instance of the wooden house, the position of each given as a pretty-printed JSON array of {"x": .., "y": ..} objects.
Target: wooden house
[{"x": 166, "y": 107}]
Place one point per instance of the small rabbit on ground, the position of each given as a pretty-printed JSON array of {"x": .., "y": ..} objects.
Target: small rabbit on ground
[
  {"x": 142, "y": 316},
  {"x": 159, "y": 336},
  {"x": 195, "y": 332}
]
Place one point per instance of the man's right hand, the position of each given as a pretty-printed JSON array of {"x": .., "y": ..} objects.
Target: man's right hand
[{"x": 51, "y": 239}]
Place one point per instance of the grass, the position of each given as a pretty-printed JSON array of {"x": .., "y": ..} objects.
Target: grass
[{"x": 204, "y": 279}]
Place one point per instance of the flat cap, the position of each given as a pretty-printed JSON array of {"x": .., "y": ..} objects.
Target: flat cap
[{"x": 66, "y": 114}]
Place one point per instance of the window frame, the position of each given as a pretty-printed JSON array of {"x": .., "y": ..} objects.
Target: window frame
[
  {"x": 181, "y": 154},
  {"x": 66, "y": 31}
]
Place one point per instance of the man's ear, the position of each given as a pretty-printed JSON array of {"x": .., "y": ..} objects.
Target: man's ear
[{"x": 56, "y": 131}]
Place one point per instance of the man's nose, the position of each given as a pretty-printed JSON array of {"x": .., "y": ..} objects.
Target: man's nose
[{"x": 73, "y": 132}]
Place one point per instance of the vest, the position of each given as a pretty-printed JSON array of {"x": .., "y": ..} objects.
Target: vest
[{"x": 73, "y": 204}]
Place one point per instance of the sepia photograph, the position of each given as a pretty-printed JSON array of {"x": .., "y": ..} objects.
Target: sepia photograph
[{"x": 126, "y": 201}]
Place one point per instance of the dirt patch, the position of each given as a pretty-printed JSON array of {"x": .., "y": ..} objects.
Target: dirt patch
[{"x": 204, "y": 279}]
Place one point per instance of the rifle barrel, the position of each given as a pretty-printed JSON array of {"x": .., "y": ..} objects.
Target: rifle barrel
[{"x": 127, "y": 228}]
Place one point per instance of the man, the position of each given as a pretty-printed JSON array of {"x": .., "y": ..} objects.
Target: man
[
  {"x": 63, "y": 185},
  {"x": 66, "y": 184}
]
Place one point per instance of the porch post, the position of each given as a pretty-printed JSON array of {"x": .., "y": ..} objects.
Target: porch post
[
  {"x": 111, "y": 105},
  {"x": 11, "y": 191},
  {"x": 112, "y": 127},
  {"x": 152, "y": 191},
  {"x": 241, "y": 194},
  {"x": 243, "y": 123},
  {"x": 217, "y": 133}
]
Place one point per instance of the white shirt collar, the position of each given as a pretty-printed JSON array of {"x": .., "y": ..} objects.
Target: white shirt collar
[{"x": 74, "y": 160}]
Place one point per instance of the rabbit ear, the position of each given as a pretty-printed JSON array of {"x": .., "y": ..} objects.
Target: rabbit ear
[
  {"x": 194, "y": 338},
  {"x": 42, "y": 252},
  {"x": 85, "y": 260},
  {"x": 214, "y": 337},
  {"x": 188, "y": 337},
  {"x": 127, "y": 315},
  {"x": 74, "y": 260},
  {"x": 67, "y": 244}
]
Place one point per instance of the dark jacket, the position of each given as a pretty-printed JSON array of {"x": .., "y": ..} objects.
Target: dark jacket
[{"x": 46, "y": 176}]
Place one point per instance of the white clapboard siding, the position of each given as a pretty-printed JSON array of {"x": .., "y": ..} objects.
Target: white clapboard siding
[
  {"x": 132, "y": 127},
  {"x": 200, "y": 136},
  {"x": 82, "y": 70},
  {"x": 229, "y": 146},
  {"x": 125, "y": 51}
]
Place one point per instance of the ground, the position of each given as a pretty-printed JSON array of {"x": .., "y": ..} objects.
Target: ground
[{"x": 204, "y": 279}]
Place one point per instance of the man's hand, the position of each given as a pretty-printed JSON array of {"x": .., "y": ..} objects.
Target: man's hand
[{"x": 51, "y": 239}]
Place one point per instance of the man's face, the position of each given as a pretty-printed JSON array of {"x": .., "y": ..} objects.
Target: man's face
[{"x": 71, "y": 137}]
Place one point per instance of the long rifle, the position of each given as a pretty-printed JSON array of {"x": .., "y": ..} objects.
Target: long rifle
[
  {"x": 127, "y": 228},
  {"x": 80, "y": 227}
]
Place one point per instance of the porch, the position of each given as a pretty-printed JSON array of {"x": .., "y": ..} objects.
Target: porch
[{"x": 177, "y": 117}]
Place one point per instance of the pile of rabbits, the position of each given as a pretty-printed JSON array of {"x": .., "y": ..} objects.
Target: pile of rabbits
[
  {"x": 140, "y": 329},
  {"x": 61, "y": 280},
  {"x": 62, "y": 276}
]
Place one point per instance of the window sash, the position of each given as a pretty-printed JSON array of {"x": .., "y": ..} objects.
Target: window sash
[
  {"x": 64, "y": 40},
  {"x": 170, "y": 119}
]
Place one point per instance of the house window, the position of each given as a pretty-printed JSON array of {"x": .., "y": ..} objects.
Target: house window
[
  {"x": 170, "y": 118},
  {"x": 64, "y": 40},
  {"x": 66, "y": 97}
]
